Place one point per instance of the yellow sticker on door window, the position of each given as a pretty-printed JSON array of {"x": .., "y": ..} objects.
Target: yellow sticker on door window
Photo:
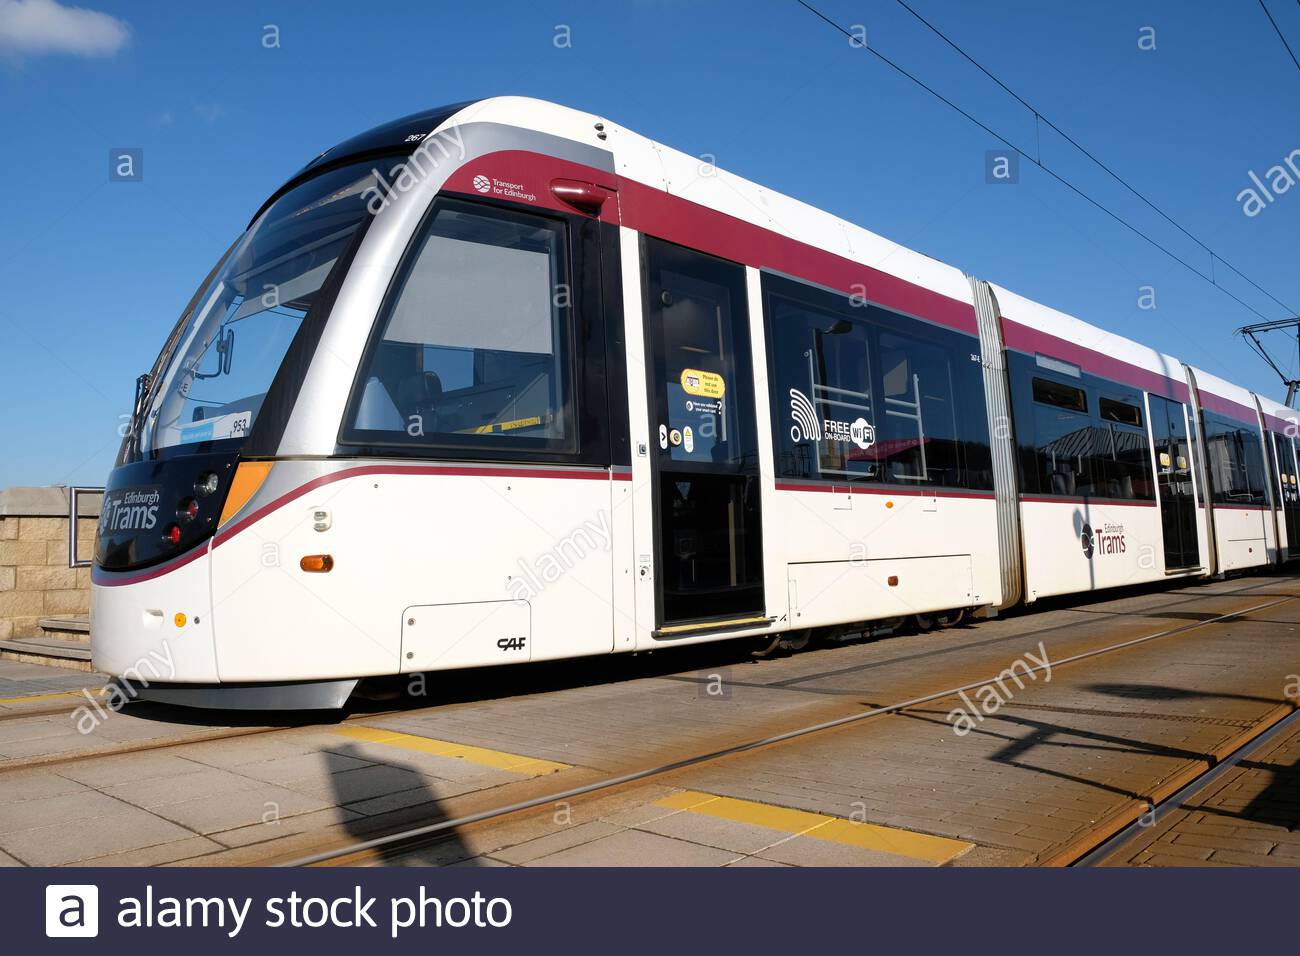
[{"x": 707, "y": 384}]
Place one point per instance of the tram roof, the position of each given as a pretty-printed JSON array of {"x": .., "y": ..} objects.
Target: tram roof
[{"x": 677, "y": 173}]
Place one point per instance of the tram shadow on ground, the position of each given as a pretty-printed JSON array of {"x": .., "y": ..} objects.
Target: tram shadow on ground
[{"x": 421, "y": 807}]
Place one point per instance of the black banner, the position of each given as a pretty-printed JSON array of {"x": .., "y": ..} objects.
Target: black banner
[{"x": 643, "y": 910}]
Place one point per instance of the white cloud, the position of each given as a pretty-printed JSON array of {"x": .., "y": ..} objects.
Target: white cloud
[
  {"x": 33, "y": 27},
  {"x": 211, "y": 112}
]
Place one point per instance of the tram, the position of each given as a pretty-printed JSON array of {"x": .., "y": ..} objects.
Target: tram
[{"x": 505, "y": 382}]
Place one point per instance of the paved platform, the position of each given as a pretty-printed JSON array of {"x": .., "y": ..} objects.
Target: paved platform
[
  {"x": 1052, "y": 763},
  {"x": 1031, "y": 782},
  {"x": 1250, "y": 817},
  {"x": 22, "y": 685}
]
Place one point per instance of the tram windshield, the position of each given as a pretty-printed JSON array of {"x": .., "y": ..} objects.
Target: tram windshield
[{"x": 225, "y": 359}]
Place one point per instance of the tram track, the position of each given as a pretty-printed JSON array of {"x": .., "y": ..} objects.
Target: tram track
[
  {"x": 168, "y": 743},
  {"x": 411, "y": 839},
  {"x": 8, "y": 716},
  {"x": 1122, "y": 829}
]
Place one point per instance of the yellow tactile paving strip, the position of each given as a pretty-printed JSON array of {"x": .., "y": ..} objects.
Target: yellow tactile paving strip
[
  {"x": 60, "y": 695},
  {"x": 818, "y": 826},
  {"x": 496, "y": 759}
]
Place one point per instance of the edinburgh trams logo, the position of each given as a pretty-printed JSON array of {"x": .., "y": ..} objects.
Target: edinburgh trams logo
[
  {"x": 131, "y": 510},
  {"x": 807, "y": 427},
  {"x": 1111, "y": 539}
]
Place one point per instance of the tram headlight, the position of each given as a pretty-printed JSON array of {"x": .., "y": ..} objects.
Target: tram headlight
[{"x": 207, "y": 484}]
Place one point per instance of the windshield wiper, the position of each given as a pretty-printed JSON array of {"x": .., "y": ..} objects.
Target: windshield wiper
[{"x": 137, "y": 410}]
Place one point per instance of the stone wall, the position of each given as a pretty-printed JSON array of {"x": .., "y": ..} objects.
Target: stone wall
[{"x": 35, "y": 580}]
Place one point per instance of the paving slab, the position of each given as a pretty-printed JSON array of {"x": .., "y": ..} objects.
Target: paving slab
[
  {"x": 215, "y": 813},
  {"x": 83, "y": 805},
  {"x": 564, "y": 839},
  {"x": 636, "y": 848},
  {"x": 128, "y": 768},
  {"x": 159, "y": 855},
  {"x": 805, "y": 851},
  {"x": 21, "y": 683},
  {"x": 277, "y": 828},
  {"x": 738, "y": 838},
  {"x": 19, "y": 786},
  {"x": 58, "y": 843},
  {"x": 1249, "y": 817}
]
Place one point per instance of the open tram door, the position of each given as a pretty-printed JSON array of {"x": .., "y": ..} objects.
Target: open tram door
[
  {"x": 704, "y": 470},
  {"x": 1173, "y": 453}
]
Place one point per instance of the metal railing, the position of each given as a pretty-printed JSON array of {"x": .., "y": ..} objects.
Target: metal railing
[{"x": 74, "y": 495}]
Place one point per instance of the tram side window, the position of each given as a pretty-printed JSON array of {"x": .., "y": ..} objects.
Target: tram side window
[
  {"x": 1063, "y": 436},
  {"x": 1236, "y": 461},
  {"x": 1083, "y": 448},
  {"x": 474, "y": 352},
  {"x": 823, "y": 364},
  {"x": 918, "y": 436},
  {"x": 1121, "y": 451},
  {"x": 857, "y": 399}
]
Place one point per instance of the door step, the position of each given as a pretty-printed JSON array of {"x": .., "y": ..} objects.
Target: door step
[{"x": 710, "y": 627}]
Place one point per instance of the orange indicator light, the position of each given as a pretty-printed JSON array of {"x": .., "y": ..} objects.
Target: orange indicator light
[
  {"x": 179, "y": 619},
  {"x": 317, "y": 563}
]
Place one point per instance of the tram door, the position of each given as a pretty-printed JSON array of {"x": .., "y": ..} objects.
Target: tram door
[
  {"x": 1284, "y": 454},
  {"x": 1174, "y": 475},
  {"x": 704, "y": 454}
]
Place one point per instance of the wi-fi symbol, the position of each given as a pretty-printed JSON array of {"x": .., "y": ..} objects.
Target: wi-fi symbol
[{"x": 805, "y": 425}]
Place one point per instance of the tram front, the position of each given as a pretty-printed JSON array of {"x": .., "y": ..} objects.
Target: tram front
[{"x": 184, "y": 469}]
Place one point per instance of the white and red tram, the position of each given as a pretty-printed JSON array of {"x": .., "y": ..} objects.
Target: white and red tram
[{"x": 506, "y": 382}]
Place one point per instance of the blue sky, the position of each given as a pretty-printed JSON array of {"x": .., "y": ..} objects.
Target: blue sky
[{"x": 93, "y": 273}]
